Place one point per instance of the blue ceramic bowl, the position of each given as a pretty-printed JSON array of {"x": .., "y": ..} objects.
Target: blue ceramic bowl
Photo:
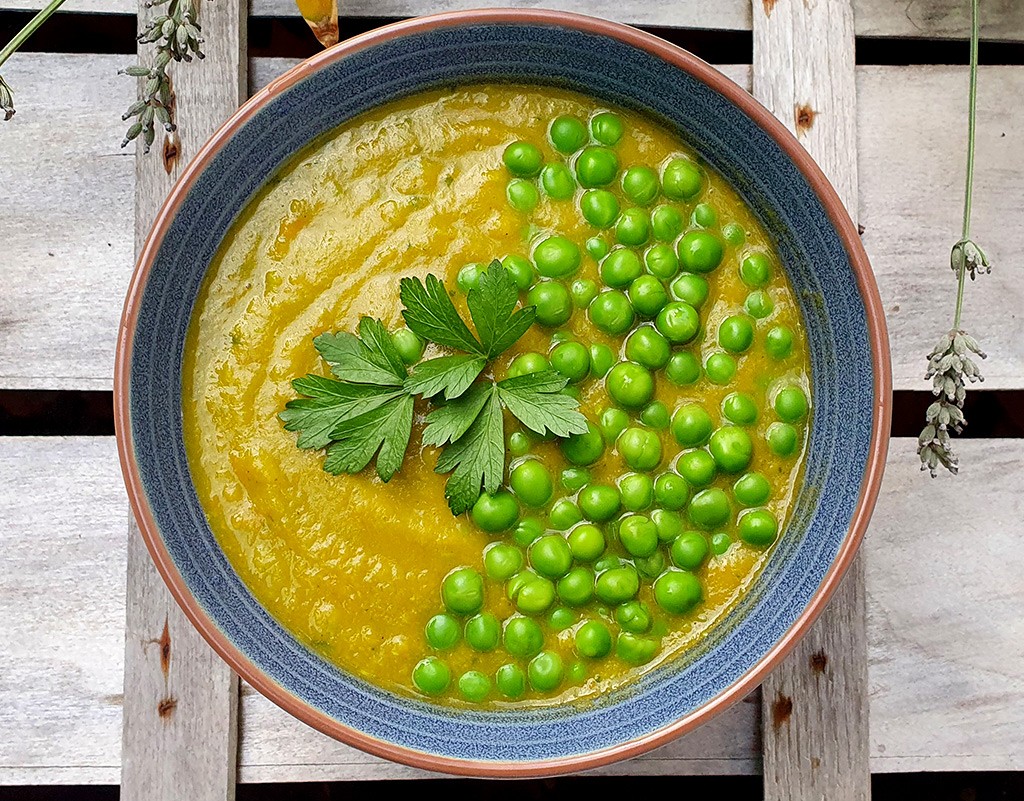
[{"x": 825, "y": 263}]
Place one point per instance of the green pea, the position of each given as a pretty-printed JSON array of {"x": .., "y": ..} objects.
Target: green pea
[
  {"x": 531, "y": 483},
  {"x": 638, "y": 535},
  {"x": 522, "y": 195},
  {"x": 572, "y": 360},
  {"x": 661, "y": 261},
  {"x": 462, "y": 591},
  {"x": 677, "y": 592},
  {"x": 526, "y": 363},
  {"x": 442, "y": 632},
  {"x": 521, "y": 270},
  {"x": 751, "y": 489},
  {"x": 782, "y": 439},
  {"x": 583, "y": 291},
  {"x": 574, "y": 478},
  {"x": 720, "y": 368},
  {"x": 567, "y": 133},
  {"x": 689, "y": 550},
  {"x": 632, "y": 227},
  {"x": 733, "y": 233},
  {"x": 678, "y": 322},
  {"x": 697, "y": 467},
  {"x": 740, "y": 408},
  {"x": 597, "y": 248},
  {"x": 535, "y": 596},
  {"x": 599, "y": 503},
  {"x": 756, "y": 269},
  {"x": 736, "y": 333},
  {"x": 584, "y": 449},
  {"x": 556, "y": 257},
  {"x": 522, "y": 636},
  {"x": 502, "y": 561},
  {"x": 648, "y": 348},
  {"x": 483, "y": 632},
  {"x": 469, "y": 277},
  {"x": 577, "y": 672},
  {"x": 634, "y": 649},
  {"x": 640, "y": 184},
  {"x": 517, "y": 582},
  {"x": 655, "y": 415},
  {"x": 586, "y": 541},
  {"x": 779, "y": 342},
  {"x": 681, "y": 179},
  {"x": 557, "y": 182},
  {"x": 690, "y": 288},
  {"x": 668, "y": 522},
  {"x": 710, "y": 508},
  {"x": 510, "y": 681},
  {"x": 601, "y": 360},
  {"x": 545, "y": 671},
  {"x": 613, "y": 422},
  {"x": 704, "y": 215},
  {"x": 720, "y": 543},
  {"x": 691, "y": 425},
  {"x": 732, "y": 448},
  {"x": 607, "y": 563},
  {"x": 636, "y": 491},
  {"x": 528, "y": 530},
  {"x": 759, "y": 528},
  {"x": 620, "y": 268},
  {"x": 564, "y": 515},
  {"x": 759, "y": 304},
  {"x": 550, "y": 556},
  {"x": 474, "y": 686},
  {"x": 640, "y": 448},
  {"x": 634, "y": 616},
  {"x": 596, "y": 166},
  {"x": 612, "y": 312},
  {"x": 561, "y": 618},
  {"x": 554, "y": 305},
  {"x": 682, "y": 368},
  {"x": 699, "y": 252},
  {"x": 523, "y": 159},
  {"x": 607, "y": 128},
  {"x": 599, "y": 207},
  {"x": 666, "y": 223},
  {"x": 618, "y": 585},
  {"x": 630, "y": 385},
  {"x": 494, "y": 513},
  {"x": 647, "y": 295},
  {"x": 593, "y": 640},
  {"x": 791, "y": 404},
  {"x": 431, "y": 676},
  {"x": 671, "y": 491},
  {"x": 577, "y": 586}
]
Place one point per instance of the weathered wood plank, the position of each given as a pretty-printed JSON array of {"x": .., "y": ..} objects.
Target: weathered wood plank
[
  {"x": 180, "y": 725},
  {"x": 939, "y": 19},
  {"x": 815, "y": 704},
  {"x": 945, "y": 629}
]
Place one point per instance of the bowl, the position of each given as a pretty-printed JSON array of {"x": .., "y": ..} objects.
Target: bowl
[{"x": 826, "y": 265}]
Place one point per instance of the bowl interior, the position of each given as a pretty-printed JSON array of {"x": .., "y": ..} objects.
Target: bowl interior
[{"x": 613, "y": 70}]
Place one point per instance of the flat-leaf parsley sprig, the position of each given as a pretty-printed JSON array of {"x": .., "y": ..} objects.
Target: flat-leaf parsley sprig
[{"x": 366, "y": 410}]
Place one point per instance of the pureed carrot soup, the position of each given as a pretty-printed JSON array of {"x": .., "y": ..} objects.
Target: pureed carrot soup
[{"x": 616, "y": 412}]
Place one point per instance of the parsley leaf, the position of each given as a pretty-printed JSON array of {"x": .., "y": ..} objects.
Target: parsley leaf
[
  {"x": 477, "y": 457},
  {"x": 386, "y": 428},
  {"x": 537, "y": 401},
  {"x": 333, "y": 346},
  {"x": 430, "y": 313},
  {"x": 328, "y": 402},
  {"x": 449, "y": 422},
  {"x": 374, "y": 361},
  {"x": 453, "y": 374},
  {"x": 491, "y": 304}
]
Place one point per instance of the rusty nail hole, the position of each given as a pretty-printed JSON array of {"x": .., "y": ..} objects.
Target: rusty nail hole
[
  {"x": 781, "y": 710},
  {"x": 819, "y": 661},
  {"x": 805, "y": 118},
  {"x": 769, "y": 6},
  {"x": 166, "y": 707},
  {"x": 165, "y": 649},
  {"x": 170, "y": 152}
]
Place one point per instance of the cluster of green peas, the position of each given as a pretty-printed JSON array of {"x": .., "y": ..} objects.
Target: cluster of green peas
[{"x": 600, "y": 542}]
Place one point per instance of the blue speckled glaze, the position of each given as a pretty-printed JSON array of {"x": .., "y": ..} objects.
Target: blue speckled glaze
[{"x": 818, "y": 267}]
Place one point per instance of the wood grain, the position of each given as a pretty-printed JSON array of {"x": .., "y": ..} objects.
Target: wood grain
[
  {"x": 814, "y": 705},
  {"x": 180, "y": 723}
]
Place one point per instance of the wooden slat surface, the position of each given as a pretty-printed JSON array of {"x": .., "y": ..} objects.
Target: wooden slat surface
[
  {"x": 68, "y": 192},
  {"x": 945, "y": 629},
  {"x": 180, "y": 730},
  {"x": 1001, "y": 19}
]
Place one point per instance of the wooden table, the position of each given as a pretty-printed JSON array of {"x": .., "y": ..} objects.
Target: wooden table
[{"x": 926, "y": 639}]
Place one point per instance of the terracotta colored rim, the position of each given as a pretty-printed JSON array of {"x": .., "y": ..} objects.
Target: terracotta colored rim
[{"x": 878, "y": 338}]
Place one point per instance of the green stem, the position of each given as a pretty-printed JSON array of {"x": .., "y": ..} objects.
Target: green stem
[
  {"x": 22, "y": 36},
  {"x": 969, "y": 185}
]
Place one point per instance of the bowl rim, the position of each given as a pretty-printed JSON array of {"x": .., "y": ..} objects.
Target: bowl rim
[{"x": 877, "y": 335}]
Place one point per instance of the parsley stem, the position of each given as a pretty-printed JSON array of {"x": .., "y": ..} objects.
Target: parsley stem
[
  {"x": 23, "y": 35},
  {"x": 969, "y": 184}
]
